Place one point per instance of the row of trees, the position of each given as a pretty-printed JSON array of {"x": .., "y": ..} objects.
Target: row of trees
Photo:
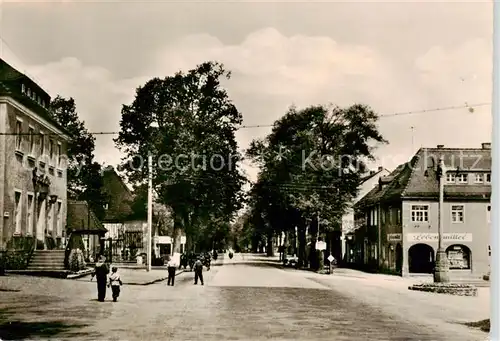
[{"x": 311, "y": 165}]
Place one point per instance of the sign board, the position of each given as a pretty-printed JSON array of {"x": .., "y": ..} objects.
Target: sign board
[
  {"x": 164, "y": 240},
  {"x": 394, "y": 237},
  {"x": 183, "y": 239},
  {"x": 330, "y": 258},
  {"x": 320, "y": 246},
  {"x": 434, "y": 237}
]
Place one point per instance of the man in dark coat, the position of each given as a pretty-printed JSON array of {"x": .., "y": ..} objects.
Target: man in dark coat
[
  {"x": 101, "y": 271},
  {"x": 198, "y": 271}
]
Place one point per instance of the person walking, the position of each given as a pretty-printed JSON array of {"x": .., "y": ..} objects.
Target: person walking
[
  {"x": 101, "y": 272},
  {"x": 115, "y": 282},
  {"x": 171, "y": 268},
  {"x": 198, "y": 271}
]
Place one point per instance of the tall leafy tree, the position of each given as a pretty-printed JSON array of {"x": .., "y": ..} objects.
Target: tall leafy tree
[
  {"x": 317, "y": 156},
  {"x": 84, "y": 174},
  {"x": 188, "y": 123}
]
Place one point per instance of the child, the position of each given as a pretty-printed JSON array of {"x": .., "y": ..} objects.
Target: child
[{"x": 115, "y": 282}]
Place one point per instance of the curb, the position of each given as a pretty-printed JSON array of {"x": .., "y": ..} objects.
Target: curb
[
  {"x": 161, "y": 279},
  {"x": 80, "y": 274}
]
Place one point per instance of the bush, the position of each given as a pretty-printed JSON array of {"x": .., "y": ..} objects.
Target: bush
[
  {"x": 15, "y": 260},
  {"x": 76, "y": 260}
]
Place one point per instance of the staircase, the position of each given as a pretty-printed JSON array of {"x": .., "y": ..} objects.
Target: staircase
[{"x": 47, "y": 262}]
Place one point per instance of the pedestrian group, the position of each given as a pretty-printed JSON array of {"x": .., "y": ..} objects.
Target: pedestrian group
[{"x": 114, "y": 281}]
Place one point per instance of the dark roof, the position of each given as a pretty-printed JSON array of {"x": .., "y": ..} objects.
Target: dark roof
[
  {"x": 10, "y": 85},
  {"x": 372, "y": 175},
  {"x": 120, "y": 198},
  {"x": 82, "y": 219},
  {"x": 417, "y": 178}
]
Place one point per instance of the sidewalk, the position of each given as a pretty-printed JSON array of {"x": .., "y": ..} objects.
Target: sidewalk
[
  {"x": 391, "y": 293},
  {"x": 139, "y": 276}
]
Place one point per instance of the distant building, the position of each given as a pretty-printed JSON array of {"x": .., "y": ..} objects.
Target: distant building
[
  {"x": 398, "y": 218},
  {"x": 348, "y": 226},
  {"x": 127, "y": 230},
  {"x": 83, "y": 223},
  {"x": 33, "y": 164}
]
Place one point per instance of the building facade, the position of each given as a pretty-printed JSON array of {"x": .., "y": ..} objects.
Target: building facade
[
  {"x": 399, "y": 217},
  {"x": 33, "y": 182},
  {"x": 348, "y": 226}
]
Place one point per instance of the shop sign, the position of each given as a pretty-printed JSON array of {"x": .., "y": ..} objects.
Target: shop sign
[
  {"x": 394, "y": 237},
  {"x": 434, "y": 237}
]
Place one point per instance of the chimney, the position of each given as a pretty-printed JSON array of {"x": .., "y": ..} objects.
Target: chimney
[
  {"x": 380, "y": 168},
  {"x": 440, "y": 146},
  {"x": 486, "y": 145},
  {"x": 372, "y": 172}
]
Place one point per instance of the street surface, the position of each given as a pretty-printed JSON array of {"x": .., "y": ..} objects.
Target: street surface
[{"x": 246, "y": 298}]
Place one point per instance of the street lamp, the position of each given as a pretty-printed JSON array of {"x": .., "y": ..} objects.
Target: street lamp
[
  {"x": 441, "y": 271},
  {"x": 154, "y": 124}
]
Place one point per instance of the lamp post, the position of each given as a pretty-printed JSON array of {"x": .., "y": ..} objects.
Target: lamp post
[
  {"x": 150, "y": 207},
  {"x": 441, "y": 271},
  {"x": 153, "y": 125}
]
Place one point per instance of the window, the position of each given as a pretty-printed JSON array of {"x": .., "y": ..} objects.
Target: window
[
  {"x": 419, "y": 213},
  {"x": 29, "y": 92},
  {"x": 17, "y": 212},
  {"x": 458, "y": 257},
  {"x": 450, "y": 177},
  {"x": 50, "y": 222},
  {"x": 42, "y": 143},
  {"x": 488, "y": 214},
  {"x": 398, "y": 217},
  {"x": 382, "y": 215},
  {"x": 457, "y": 213},
  {"x": 488, "y": 178},
  {"x": 389, "y": 215},
  {"x": 23, "y": 88},
  {"x": 32, "y": 139},
  {"x": 462, "y": 178},
  {"x": 19, "y": 131},
  {"x": 478, "y": 178},
  {"x": 29, "y": 215},
  {"x": 43, "y": 103},
  {"x": 375, "y": 216},
  {"x": 59, "y": 219},
  {"x": 59, "y": 154},
  {"x": 51, "y": 149}
]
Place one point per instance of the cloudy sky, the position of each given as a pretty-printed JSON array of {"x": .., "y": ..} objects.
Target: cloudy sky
[{"x": 394, "y": 56}]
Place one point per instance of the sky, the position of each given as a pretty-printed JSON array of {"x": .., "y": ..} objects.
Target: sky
[{"x": 396, "y": 57}]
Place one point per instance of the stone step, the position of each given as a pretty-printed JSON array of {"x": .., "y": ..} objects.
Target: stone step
[
  {"x": 46, "y": 268},
  {"x": 53, "y": 257},
  {"x": 35, "y": 263}
]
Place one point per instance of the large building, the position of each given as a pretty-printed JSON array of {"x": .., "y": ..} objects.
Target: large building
[
  {"x": 32, "y": 164},
  {"x": 348, "y": 226},
  {"x": 398, "y": 218}
]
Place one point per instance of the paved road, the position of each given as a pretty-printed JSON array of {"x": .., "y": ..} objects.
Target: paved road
[{"x": 241, "y": 300}]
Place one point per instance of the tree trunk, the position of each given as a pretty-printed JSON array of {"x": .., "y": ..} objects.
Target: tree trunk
[
  {"x": 270, "y": 246},
  {"x": 313, "y": 255},
  {"x": 302, "y": 259}
]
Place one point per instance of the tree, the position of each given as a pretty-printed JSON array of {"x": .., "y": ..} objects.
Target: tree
[
  {"x": 193, "y": 145},
  {"x": 321, "y": 158},
  {"x": 83, "y": 173}
]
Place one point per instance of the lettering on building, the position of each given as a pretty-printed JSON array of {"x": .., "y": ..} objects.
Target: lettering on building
[{"x": 434, "y": 237}]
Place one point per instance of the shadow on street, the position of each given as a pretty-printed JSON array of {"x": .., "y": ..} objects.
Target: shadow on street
[{"x": 21, "y": 330}]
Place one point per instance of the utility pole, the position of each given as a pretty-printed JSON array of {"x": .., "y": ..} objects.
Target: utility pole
[
  {"x": 150, "y": 208},
  {"x": 441, "y": 274},
  {"x": 495, "y": 234}
]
